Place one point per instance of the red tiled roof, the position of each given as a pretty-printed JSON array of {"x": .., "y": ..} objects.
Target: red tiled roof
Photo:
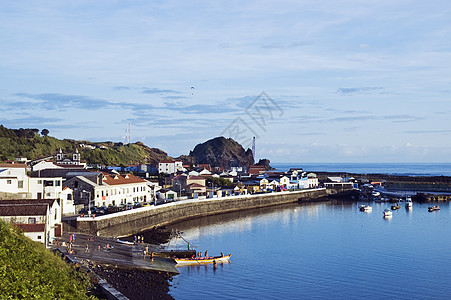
[
  {"x": 196, "y": 178},
  {"x": 37, "y": 209},
  {"x": 31, "y": 227},
  {"x": 121, "y": 179},
  {"x": 196, "y": 185},
  {"x": 13, "y": 166},
  {"x": 167, "y": 161}
]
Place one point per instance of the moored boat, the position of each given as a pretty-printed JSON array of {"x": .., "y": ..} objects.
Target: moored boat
[
  {"x": 202, "y": 260},
  {"x": 365, "y": 208},
  {"x": 408, "y": 202},
  {"x": 396, "y": 206},
  {"x": 433, "y": 208},
  {"x": 387, "y": 213}
]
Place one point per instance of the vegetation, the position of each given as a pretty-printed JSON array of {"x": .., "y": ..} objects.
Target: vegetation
[
  {"x": 29, "y": 271},
  {"x": 219, "y": 182},
  {"x": 28, "y": 143}
]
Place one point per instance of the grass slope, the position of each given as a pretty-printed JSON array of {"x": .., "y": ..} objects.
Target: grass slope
[{"x": 29, "y": 271}]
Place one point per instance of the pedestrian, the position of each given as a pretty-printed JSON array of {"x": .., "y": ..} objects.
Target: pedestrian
[
  {"x": 87, "y": 248},
  {"x": 151, "y": 256}
]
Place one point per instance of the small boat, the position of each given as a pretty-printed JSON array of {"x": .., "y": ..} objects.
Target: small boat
[
  {"x": 365, "y": 208},
  {"x": 433, "y": 208},
  {"x": 408, "y": 202},
  {"x": 387, "y": 213},
  {"x": 202, "y": 260},
  {"x": 396, "y": 206},
  {"x": 124, "y": 242}
]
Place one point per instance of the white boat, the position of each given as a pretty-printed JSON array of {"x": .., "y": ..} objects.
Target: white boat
[
  {"x": 387, "y": 213},
  {"x": 408, "y": 202},
  {"x": 365, "y": 208}
]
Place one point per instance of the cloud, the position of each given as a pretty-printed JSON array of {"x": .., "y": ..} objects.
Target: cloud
[
  {"x": 158, "y": 91},
  {"x": 394, "y": 118},
  {"x": 120, "y": 88},
  {"x": 358, "y": 90},
  {"x": 444, "y": 132}
]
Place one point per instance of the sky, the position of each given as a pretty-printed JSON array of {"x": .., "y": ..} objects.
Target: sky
[{"x": 312, "y": 81}]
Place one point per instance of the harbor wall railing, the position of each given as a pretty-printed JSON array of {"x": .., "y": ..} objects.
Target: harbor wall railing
[{"x": 136, "y": 220}]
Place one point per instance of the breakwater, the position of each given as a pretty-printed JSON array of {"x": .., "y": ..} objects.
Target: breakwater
[{"x": 137, "y": 220}]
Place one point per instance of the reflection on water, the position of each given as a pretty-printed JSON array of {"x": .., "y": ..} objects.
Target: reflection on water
[{"x": 320, "y": 250}]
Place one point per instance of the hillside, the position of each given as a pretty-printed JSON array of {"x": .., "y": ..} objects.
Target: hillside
[
  {"x": 29, "y": 271},
  {"x": 30, "y": 144},
  {"x": 220, "y": 152}
]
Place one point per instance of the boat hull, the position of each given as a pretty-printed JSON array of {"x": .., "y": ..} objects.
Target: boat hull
[{"x": 202, "y": 260}]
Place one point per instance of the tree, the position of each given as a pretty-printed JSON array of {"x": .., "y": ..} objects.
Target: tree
[{"x": 45, "y": 132}]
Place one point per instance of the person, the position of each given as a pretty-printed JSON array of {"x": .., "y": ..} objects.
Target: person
[
  {"x": 206, "y": 253},
  {"x": 151, "y": 256},
  {"x": 189, "y": 246},
  {"x": 222, "y": 254},
  {"x": 87, "y": 248}
]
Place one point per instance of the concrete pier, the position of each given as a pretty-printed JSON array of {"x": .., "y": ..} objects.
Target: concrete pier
[{"x": 136, "y": 220}]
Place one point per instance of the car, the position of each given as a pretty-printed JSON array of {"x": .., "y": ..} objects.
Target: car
[
  {"x": 145, "y": 204},
  {"x": 137, "y": 205}
]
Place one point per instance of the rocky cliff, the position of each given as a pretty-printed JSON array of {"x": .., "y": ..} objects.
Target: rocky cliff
[{"x": 220, "y": 152}]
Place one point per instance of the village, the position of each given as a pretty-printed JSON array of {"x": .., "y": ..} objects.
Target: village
[{"x": 37, "y": 196}]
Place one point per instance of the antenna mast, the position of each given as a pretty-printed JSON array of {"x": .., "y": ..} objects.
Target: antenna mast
[
  {"x": 253, "y": 148},
  {"x": 127, "y": 134}
]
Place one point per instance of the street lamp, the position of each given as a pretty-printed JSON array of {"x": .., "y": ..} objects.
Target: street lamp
[
  {"x": 180, "y": 189},
  {"x": 89, "y": 201}
]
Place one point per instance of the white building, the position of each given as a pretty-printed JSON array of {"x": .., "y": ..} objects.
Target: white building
[
  {"x": 40, "y": 220},
  {"x": 105, "y": 189},
  {"x": 170, "y": 166},
  {"x": 15, "y": 183}
]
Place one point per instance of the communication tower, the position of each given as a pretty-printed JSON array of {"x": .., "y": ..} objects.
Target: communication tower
[{"x": 253, "y": 148}]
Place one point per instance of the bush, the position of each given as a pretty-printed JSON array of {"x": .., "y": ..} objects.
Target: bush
[{"x": 28, "y": 270}]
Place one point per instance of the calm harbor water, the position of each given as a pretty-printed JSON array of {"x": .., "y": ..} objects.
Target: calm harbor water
[
  {"x": 413, "y": 169},
  {"x": 320, "y": 251}
]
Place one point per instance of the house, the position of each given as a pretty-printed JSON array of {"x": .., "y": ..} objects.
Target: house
[
  {"x": 205, "y": 172},
  {"x": 67, "y": 202},
  {"x": 15, "y": 183},
  {"x": 256, "y": 170},
  {"x": 166, "y": 194},
  {"x": 103, "y": 189},
  {"x": 170, "y": 166},
  {"x": 39, "y": 219},
  {"x": 312, "y": 180}
]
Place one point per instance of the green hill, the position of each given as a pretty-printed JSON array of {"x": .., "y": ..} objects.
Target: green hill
[
  {"x": 29, "y": 271},
  {"x": 30, "y": 144}
]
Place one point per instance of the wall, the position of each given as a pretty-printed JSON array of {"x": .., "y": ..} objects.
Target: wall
[{"x": 133, "y": 221}]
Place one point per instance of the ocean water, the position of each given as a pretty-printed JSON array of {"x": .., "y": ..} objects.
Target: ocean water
[
  {"x": 327, "y": 250},
  {"x": 413, "y": 169}
]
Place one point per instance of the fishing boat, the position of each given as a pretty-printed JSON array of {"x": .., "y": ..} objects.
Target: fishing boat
[
  {"x": 387, "y": 213},
  {"x": 365, "y": 208},
  {"x": 202, "y": 260},
  {"x": 433, "y": 208}
]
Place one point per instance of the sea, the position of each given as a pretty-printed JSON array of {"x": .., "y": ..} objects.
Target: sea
[
  {"x": 324, "y": 250},
  {"x": 410, "y": 169}
]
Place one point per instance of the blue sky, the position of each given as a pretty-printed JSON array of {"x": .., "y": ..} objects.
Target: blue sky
[{"x": 314, "y": 81}]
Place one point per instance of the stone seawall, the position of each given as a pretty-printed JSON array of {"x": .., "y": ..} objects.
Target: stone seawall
[{"x": 134, "y": 221}]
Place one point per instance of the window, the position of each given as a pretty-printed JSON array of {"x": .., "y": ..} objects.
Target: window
[
  {"x": 31, "y": 220},
  {"x": 39, "y": 237},
  {"x": 8, "y": 181},
  {"x": 39, "y": 181},
  {"x": 69, "y": 196},
  {"x": 20, "y": 184},
  {"x": 57, "y": 183},
  {"x": 56, "y": 212},
  {"x": 114, "y": 202}
]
